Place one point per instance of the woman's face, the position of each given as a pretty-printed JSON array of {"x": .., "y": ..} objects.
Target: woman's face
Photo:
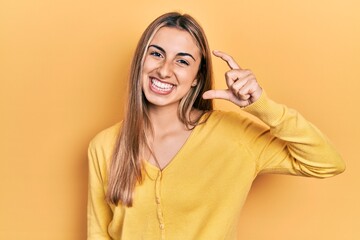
[{"x": 170, "y": 67}]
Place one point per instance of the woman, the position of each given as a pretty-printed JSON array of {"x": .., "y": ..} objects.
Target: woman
[{"x": 177, "y": 169}]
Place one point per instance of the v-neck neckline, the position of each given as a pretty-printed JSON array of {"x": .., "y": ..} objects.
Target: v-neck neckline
[{"x": 153, "y": 170}]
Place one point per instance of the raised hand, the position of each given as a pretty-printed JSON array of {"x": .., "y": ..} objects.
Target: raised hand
[{"x": 243, "y": 89}]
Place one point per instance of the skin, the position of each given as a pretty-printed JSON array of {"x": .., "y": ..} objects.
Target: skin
[
  {"x": 174, "y": 58},
  {"x": 243, "y": 88}
]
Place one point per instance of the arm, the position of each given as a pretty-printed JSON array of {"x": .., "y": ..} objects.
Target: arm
[
  {"x": 99, "y": 213},
  {"x": 290, "y": 144}
]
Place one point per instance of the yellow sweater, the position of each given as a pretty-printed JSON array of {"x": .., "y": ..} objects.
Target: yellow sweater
[{"x": 199, "y": 195}]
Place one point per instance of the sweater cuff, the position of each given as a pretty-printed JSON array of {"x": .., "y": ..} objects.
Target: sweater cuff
[{"x": 268, "y": 111}]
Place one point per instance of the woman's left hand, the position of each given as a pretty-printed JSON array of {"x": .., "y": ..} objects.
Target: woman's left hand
[{"x": 243, "y": 89}]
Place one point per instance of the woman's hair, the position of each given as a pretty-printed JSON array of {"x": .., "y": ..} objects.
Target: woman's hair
[{"x": 126, "y": 165}]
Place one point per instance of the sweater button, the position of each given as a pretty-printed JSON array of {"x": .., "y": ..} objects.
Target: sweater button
[
  {"x": 157, "y": 200},
  {"x": 162, "y": 226}
]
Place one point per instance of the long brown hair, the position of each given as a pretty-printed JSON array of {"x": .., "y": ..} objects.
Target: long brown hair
[{"x": 126, "y": 166}]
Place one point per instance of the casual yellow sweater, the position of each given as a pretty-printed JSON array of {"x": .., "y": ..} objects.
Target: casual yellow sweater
[{"x": 200, "y": 193}]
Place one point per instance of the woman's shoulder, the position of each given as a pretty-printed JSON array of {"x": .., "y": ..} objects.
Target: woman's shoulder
[
  {"x": 233, "y": 121},
  {"x": 106, "y": 137},
  {"x": 230, "y": 117}
]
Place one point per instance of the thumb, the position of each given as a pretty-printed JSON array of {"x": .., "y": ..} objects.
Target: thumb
[{"x": 219, "y": 94}]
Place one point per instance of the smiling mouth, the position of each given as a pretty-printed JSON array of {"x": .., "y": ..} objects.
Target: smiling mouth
[{"x": 161, "y": 87}]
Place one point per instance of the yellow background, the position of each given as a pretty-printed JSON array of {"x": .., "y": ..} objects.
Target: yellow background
[{"x": 63, "y": 71}]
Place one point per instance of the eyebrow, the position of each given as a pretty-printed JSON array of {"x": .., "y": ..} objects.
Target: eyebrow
[{"x": 179, "y": 54}]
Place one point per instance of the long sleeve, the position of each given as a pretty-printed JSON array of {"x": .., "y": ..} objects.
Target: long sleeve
[
  {"x": 291, "y": 145},
  {"x": 100, "y": 214},
  {"x": 105, "y": 221}
]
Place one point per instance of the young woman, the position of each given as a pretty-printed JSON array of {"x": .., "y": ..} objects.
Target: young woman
[{"x": 174, "y": 168}]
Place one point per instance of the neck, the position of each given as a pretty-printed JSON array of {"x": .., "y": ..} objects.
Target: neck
[{"x": 165, "y": 118}]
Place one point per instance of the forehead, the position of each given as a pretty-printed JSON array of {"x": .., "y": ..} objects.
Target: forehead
[{"x": 175, "y": 40}]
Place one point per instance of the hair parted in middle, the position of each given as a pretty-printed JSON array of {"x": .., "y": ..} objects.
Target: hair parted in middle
[{"x": 126, "y": 165}]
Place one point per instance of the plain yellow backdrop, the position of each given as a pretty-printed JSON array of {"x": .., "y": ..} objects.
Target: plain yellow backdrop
[{"x": 63, "y": 71}]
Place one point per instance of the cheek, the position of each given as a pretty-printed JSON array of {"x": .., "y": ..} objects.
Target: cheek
[
  {"x": 187, "y": 75},
  {"x": 149, "y": 65},
  {"x": 145, "y": 66}
]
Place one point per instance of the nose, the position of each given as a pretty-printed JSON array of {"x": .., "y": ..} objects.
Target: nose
[{"x": 165, "y": 69}]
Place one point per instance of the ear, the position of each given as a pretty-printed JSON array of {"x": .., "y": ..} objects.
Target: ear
[{"x": 194, "y": 83}]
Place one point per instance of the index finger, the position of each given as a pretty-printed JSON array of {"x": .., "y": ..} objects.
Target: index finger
[{"x": 227, "y": 58}]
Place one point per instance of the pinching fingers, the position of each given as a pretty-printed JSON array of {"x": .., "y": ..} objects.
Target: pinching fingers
[{"x": 243, "y": 88}]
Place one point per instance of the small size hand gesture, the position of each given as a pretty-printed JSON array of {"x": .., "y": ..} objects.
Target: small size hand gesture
[{"x": 243, "y": 89}]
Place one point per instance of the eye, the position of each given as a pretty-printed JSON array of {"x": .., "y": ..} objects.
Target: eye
[
  {"x": 183, "y": 62},
  {"x": 155, "y": 54}
]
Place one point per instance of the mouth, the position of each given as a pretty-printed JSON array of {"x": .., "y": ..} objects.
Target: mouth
[{"x": 160, "y": 87}]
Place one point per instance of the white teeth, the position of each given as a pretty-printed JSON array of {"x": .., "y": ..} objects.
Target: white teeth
[{"x": 161, "y": 86}]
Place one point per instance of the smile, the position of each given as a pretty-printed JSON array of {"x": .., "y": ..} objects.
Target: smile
[{"x": 161, "y": 87}]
